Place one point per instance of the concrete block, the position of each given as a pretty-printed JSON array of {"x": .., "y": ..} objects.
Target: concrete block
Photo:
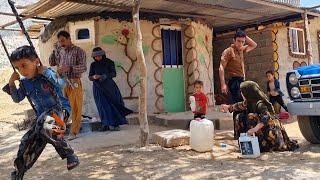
[
  {"x": 266, "y": 50},
  {"x": 269, "y": 43},
  {"x": 224, "y": 124},
  {"x": 255, "y": 67},
  {"x": 262, "y": 43},
  {"x": 255, "y": 52},
  {"x": 265, "y": 59},
  {"x": 171, "y": 138}
]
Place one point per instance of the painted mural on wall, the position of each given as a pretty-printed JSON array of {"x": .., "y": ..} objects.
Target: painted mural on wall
[
  {"x": 205, "y": 57},
  {"x": 118, "y": 38},
  {"x": 198, "y": 50},
  {"x": 157, "y": 61},
  {"x": 124, "y": 36},
  {"x": 275, "y": 53},
  {"x": 297, "y": 64},
  {"x": 191, "y": 62}
]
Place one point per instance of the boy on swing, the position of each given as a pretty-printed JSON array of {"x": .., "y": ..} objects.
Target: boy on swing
[{"x": 40, "y": 85}]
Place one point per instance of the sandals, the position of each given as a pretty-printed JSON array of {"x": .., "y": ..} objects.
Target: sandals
[
  {"x": 104, "y": 128},
  {"x": 115, "y": 128},
  {"x": 16, "y": 176},
  {"x": 72, "y": 162}
]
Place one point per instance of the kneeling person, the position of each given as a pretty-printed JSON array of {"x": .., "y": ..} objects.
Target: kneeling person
[{"x": 259, "y": 118}]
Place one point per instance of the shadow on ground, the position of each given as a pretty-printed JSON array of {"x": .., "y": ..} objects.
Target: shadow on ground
[{"x": 128, "y": 162}]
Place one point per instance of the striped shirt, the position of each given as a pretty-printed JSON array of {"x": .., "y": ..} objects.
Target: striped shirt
[{"x": 73, "y": 57}]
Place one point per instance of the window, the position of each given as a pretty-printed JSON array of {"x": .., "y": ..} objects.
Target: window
[
  {"x": 172, "y": 48},
  {"x": 83, "y": 34},
  {"x": 297, "y": 41}
]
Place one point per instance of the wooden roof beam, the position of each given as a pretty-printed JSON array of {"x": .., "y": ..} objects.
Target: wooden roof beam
[
  {"x": 35, "y": 13},
  {"x": 289, "y": 8},
  {"x": 201, "y": 16},
  {"x": 127, "y": 8},
  {"x": 19, "y": 30},
  {"x": 35, "y": 17},
  {"x": 109, "y": 5},
  {"x": 217, "y": 7}
]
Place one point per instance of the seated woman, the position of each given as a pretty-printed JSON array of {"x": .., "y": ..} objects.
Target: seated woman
[
  {"x": 106, "y": 93},
  {"x": 259, "y": 119}
]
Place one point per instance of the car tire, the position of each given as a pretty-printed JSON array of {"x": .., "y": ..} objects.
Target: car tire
[{"x": 310, "y": 128}]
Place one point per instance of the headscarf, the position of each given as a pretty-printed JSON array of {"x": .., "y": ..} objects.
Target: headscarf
[
  {"x": 98, "y": 51},
  {"x": 253, "y": 94}
]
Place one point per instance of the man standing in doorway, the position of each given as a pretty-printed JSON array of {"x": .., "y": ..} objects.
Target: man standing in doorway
[
  {"x": 71, "y": 63},
  {"x": 232, "y": 62}
]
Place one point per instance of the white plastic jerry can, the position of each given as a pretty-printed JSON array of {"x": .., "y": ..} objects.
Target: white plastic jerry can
[
  {"x": 249, "y": 146},
  {"x": 192, "y": 100},
  {"x": 201, "y": 135}
]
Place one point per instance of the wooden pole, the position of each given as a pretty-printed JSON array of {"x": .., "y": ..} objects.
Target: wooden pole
[
  {"x": 308, "y": 38},
  {"x": 143, "y": 119}
]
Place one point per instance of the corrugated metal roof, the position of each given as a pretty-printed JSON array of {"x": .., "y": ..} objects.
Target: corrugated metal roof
[{"x": 220, "y": 13}]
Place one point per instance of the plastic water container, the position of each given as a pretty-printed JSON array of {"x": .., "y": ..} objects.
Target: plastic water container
[
  {"x": 249, "y": 146},
  {"x": 201, "y": 135},
  {"x": 85, "y": 126},
  {"x": 192, "y": 100}
]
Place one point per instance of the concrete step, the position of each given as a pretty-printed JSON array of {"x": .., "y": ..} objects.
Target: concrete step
[{"x": 222, "y": 121}]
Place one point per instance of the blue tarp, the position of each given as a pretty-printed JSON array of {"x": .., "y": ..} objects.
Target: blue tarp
[{"x": 309, "y": 70}]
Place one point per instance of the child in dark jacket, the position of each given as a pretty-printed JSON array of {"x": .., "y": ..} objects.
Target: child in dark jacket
[
  {"x": 274, "y": 92},
  {"x": 41, "y": 86}
]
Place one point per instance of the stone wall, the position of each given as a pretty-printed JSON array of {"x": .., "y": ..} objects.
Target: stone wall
[
  {"x": 285, "y": 60},
  {"x": 257, "y": 62}
]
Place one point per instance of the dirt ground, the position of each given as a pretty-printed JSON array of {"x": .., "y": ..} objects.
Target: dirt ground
[{"x": 114, "y": 155}]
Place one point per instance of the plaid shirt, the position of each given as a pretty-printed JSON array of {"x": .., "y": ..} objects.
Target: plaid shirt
[{"x": 73, "y": 57}]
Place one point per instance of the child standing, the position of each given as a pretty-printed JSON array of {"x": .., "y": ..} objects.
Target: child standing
[
  {"x": 200, "y": 102},
  {"x": 274, "y": 92},
  {"x": 106, "y": 93},
  {"x": 41, "y": 87}
]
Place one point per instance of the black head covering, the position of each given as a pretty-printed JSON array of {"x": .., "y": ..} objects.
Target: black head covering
[{"x": 253, "y": 94}]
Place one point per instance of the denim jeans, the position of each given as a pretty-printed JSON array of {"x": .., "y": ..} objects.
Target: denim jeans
[{"x": 234, "y": 89}]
